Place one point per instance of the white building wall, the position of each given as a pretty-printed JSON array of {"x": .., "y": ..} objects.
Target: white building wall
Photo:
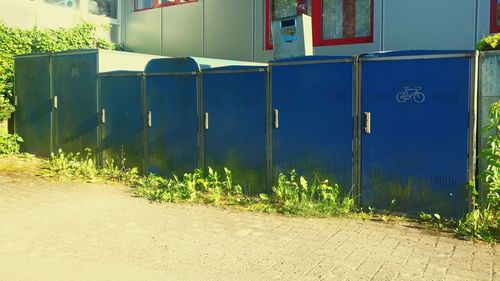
[
  {"x": 429, "y": 24},
  {"x": 235, "y": 29},
  {"x": 30, "y": 13}
]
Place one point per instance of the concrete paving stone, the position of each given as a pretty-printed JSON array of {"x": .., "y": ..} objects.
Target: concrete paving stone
[{"x": 67, "y": 231}]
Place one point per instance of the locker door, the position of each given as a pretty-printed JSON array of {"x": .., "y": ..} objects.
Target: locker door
[{"x": 415, "y": 131}]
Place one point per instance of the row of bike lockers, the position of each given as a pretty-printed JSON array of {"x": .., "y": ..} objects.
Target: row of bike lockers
[{"x": 385, "y": 126}]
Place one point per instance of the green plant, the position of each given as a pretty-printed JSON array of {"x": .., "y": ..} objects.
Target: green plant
[
  {"x": 71, "y": 166},
  {"x": 9, "y": 144},
  {"x": 484, "y": 223},
  {"x": 489, "y": 43},
  {"x": 16, "y": 41},
  {"x": 295, "y": 195}
]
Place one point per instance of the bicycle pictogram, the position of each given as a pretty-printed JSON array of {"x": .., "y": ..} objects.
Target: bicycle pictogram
[{"x": 411, "y": 93}]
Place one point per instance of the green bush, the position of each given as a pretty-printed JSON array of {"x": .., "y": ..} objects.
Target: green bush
[
  {"x": 485, "y": 223},
  {"x": 16, "y": 41},
  {"x": 9, "y": 144},
  {"x": 489, "y": 43}
]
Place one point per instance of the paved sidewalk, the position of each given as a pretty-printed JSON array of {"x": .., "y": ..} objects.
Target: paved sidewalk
[{"x": 92, "y": 232}]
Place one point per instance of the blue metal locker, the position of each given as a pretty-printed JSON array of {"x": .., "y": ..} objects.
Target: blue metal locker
[
  {"x": 122, "y": 118},
  {"x": 414, "y": 153},
  {"x": 172, "y": 116},
  {"x": 234, "y": 115},
  {"x": 75, "y": 92},
  {"x": 312, "y": 104},
  {"x": 33, "y": 115}
]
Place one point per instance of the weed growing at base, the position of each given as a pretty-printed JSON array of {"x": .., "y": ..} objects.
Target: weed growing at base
[
  {"x": 74, "y": 166},
  {"x": 292, "y": 194}
]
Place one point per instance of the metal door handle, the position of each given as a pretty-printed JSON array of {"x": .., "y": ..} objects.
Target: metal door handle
[
  {"x": 15, "y": 101},
  {"x": 103, "y": 116},
  {"x": 206, "y": 120},
  {"x": 367, "y": 116},
  {"x": 55, "y": 102},
  {"x": 276, "y": 119},
  {"x": 149, "y": 119}
]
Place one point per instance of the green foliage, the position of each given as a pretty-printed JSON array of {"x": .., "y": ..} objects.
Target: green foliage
[
  {"x": 295, "y": 195},
  {"x": 192, "y": 187},
  {"x": 16, "y": 41},
  {"x": 484, "y": 223},
  {"x": 491, "y": 175},
  {"x": 9, "y": 144},
  {"x": 74, "y": 166},
  {"x": 489, "y": 43}
]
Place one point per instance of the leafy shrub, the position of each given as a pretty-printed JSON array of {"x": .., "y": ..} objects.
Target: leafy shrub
[
  {"x": 485, "y": 223},
  {"x": 9, "y": 144},
  {"x": 489, "y": 43},
  {"x": 16, "y": 41}
]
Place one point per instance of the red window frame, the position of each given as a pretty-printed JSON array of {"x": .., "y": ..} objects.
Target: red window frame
[
  {"x": 158, "y": 5},
  {"x": 494, "y": 27},
  {"x": 317, "y": 25}
]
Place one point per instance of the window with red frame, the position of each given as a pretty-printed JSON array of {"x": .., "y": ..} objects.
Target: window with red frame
[
  {"x": 495, "y": 16},
  {"x": 150, "y": 4},
  {"x": 334, "y": 22}
]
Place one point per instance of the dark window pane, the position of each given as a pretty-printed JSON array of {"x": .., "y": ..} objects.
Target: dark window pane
[
  {"x": 498, "y": 12},
  {"x": 106, "y": 8},
  {"x": 346, "y": 18},
  {"x": 143, "y": 4}
]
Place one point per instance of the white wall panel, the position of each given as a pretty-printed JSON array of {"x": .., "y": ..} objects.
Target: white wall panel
[
  {"x": 182, "y": 30},
  {"x": 229, "y": 29},
  {"x": 143, "y": 32},
  {"x": 429, "y": 24}
]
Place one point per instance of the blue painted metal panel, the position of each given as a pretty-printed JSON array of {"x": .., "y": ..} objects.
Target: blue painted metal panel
[
  {"x": 315, "y": 133},
  {"x": 33, "y": 112},
  {"x": 417, "y": 150},
  {"x": 172, "y": 136},
  {"x": 75, "y": 85},
  {"x": 236, "y": 137},
  {"x": 122, "y": 121}
]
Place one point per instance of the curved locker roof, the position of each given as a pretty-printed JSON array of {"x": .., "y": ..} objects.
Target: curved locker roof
[
  {"x": 310, "y": 59},
  {"x": 408, "y": 53},
  {"x": 121, "y": 73},
  {"x": 191, "y": 64},
  {"x": 235, "y": 68}
]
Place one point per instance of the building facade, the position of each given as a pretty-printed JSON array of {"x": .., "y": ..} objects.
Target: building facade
[{"x": 240, "y": 29}]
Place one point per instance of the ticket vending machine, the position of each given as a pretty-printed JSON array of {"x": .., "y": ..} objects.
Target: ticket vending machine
[{"x": 292, "y": 37}]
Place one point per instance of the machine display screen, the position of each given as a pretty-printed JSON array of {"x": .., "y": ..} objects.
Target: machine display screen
[{"x": 288, "y": 23}]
